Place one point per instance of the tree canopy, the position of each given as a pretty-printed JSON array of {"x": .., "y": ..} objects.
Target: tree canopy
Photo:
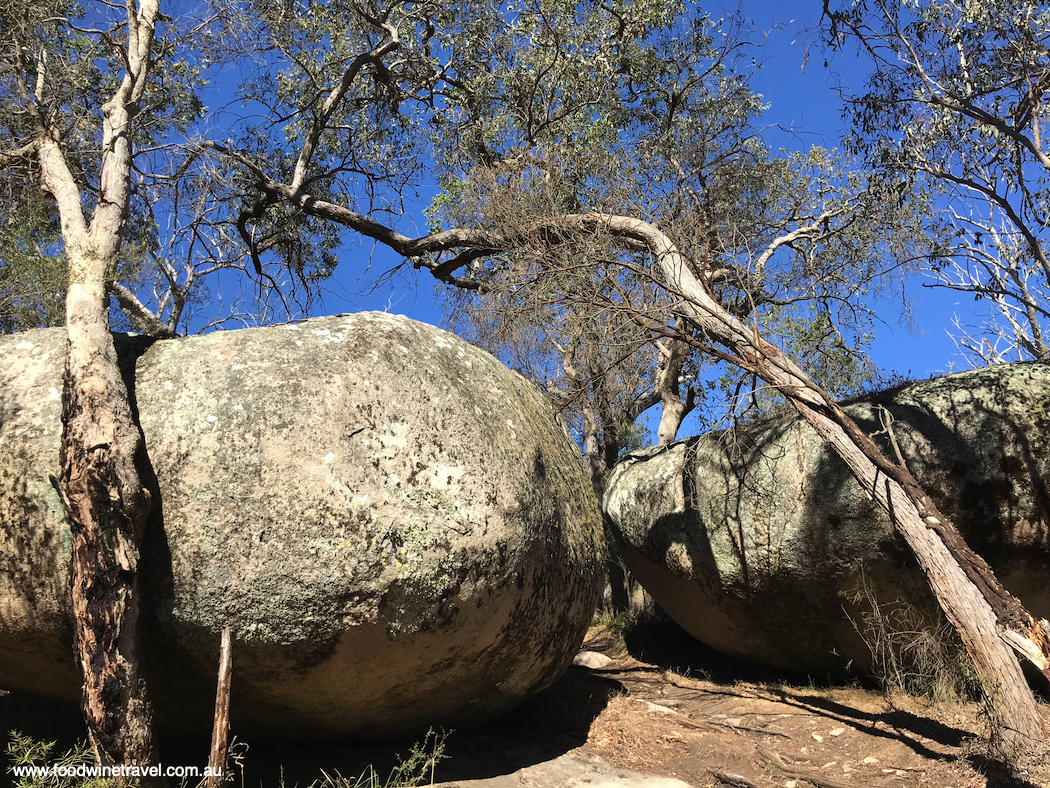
[
  {"x": 957, "y": 100},
  {"x": 596, "y": 169},
  {"x": 346, "y": 116}
]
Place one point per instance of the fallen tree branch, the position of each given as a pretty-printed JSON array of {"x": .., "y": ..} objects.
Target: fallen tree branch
[{"x": 691, "y": 723}]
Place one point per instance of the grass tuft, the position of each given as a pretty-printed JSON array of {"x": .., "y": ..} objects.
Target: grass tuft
[
  {"x": 414, "y": 770},
  {"x": 911, "y": 652}
]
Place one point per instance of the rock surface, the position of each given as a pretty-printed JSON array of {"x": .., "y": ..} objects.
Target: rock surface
[
  {"x": 572, "y": 770},
  {"x": 757, "y": 540},
  {"x": 592, "y": 660},
  {"x": 398, "y": 528}
]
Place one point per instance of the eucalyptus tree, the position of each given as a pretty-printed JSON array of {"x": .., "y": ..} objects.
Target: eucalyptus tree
[
  {"x": 560, "y": 135},
  {"x": 564, "y": 322},
  {"x": 82, "y": 92},
  {"x": 512, "y": 93},
  {"x": 690, "y": 156},
  {"x": 957, "y": 98}
]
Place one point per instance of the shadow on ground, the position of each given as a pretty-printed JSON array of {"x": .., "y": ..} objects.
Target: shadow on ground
[
  {"x": 541, "y": 729},
  {"x": 672, "y": 707},
  {"x": 658, "y": 640},
  {"x": 544, "y": 727}
]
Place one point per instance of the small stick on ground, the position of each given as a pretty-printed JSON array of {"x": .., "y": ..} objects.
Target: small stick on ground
[
  {"x": 221, "y": 727},
  {"x": 736, "y": 780}
]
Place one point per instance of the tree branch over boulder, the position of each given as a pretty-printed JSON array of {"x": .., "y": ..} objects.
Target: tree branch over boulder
[{"x": 991, "y": 623}]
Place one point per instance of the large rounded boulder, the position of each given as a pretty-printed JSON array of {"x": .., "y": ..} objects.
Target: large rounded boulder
[
  {"x": 397, "y": 528},
  {"x": 759, "y": 542}
]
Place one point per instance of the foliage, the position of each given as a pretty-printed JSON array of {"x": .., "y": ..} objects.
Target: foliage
[
  {"x": 25, "y": 751},
  {"x": 802, "y": 242},
  {"x": 519, "y": 111},
  {"x": 417, "y": 768},
  {"x": 613, "y": 140},
  {"x": 32, "y": 267},
  {"x": 956, "y": 100},
  {"x": 58, "y": 60}
]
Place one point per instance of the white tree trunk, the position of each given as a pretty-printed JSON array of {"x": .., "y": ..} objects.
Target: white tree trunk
[
  {"x": 99, "y": 483},
  {"x": 674, "y": 408}
]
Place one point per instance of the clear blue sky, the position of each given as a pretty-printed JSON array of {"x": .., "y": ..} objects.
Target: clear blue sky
[{"x": 803, "y": 103}]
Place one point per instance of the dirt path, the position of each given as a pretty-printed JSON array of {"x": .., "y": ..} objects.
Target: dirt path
[
  {"x": 731, "y": 730},
  {"x": 641, "y": 715},
  {"x": 740, "y": 732},
  {"x": 710, "y": 734}
]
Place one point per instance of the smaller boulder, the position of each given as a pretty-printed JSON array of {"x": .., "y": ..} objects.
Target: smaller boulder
[
  {"x": 759, "y": 542},
  {"x": 592, "y": 660}
]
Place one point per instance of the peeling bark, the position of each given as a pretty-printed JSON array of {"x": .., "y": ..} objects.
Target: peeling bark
[
  {"x": 107, "y": 507},
  {"x": 99, "y": 484}
]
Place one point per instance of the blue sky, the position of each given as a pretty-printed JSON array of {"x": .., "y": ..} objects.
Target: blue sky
[{"x": 806, "y": 105}]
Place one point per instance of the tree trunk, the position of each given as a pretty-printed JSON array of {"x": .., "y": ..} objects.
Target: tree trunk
[
  {"x": 99, "y": 484},
  {"x": 674, "y": 408},
  {"x": 596, "y": 452},
  {"x": 220, "y": 731},
  {"x": 987, "y": 617},
  {"x": 107, "y": 508},
  {"x": 973, "y": 601}
]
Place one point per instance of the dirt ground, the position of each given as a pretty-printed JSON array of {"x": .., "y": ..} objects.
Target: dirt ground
[
  {"x": 668, "y": 706},
  {"x": 740, "y": 726},
  {"x": 747, "y": 734}
]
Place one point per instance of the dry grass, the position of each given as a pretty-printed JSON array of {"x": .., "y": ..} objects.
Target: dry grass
[{"x": 914, "y": 652}]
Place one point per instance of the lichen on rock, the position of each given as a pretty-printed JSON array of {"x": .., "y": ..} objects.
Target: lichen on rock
[
  {"x": 755, "y": 540},
  {"x": 396, "y": 527}
]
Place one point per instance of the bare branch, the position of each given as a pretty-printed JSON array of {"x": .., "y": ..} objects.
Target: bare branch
[{"x": 139, "y": 315}]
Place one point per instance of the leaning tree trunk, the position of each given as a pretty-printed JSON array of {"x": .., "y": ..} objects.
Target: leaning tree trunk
[
  {"x": 981, "y": 610},
  {"x": 989, "y": 620}
]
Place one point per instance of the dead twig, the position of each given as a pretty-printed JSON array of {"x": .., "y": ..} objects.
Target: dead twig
[
  {"x": 220, "y": 730},
  {"x": 736, "y": 780},
  {"x": 690, "y": 723}
]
